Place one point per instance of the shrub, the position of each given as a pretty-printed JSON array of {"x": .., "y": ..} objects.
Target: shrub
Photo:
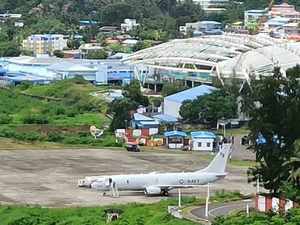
[
  {"x": 7, "y": 132},
  {"x": 5, "y": 119},
  {"x": 59, "y": 110},
  {"x": 72, "y": 112},
  {"x": 35, "y": 119},
  {"x": 30, "y": 136},
  {"x": 55, "y": 137}
]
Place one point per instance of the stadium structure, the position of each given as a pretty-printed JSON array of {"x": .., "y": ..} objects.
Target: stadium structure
[{"x": 226, "y": 56}]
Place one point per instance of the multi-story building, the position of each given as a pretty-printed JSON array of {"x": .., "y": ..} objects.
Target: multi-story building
[
  {"x": 285, "y": 10},
  {"x": 41, "y": 44},
  {"x": 212, "y": 5},
  {"x": 202, "y": 27}
]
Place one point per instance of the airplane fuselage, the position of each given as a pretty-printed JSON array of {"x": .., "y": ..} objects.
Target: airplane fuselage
[{"x": 154, "y": 182}]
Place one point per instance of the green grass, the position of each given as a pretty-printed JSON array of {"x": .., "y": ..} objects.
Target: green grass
[
  {"x": 97, "y": 119},
  {"x": 62, "y": 88},
  {"x": 66, "y": 121},
  {"x": 133, "y": 214},
  {"x": 256, "y": 218}
]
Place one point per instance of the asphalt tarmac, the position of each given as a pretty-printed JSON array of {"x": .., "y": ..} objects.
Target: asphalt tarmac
[{"x": 49, "y": 177}]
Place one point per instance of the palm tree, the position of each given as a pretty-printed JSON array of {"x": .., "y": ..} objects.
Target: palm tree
[{"x": 293, "y": 166}]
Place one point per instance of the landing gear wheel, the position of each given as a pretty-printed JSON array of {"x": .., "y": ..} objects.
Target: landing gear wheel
[{"x": 164, "y": 193}]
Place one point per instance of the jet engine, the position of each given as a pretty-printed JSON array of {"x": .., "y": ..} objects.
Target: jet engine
[{"x": 152, "y": 190}]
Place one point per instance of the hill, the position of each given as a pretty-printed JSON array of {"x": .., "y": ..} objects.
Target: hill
[
  {"x": 61, "y": 112},
  {"x": 159, "y": 19}
]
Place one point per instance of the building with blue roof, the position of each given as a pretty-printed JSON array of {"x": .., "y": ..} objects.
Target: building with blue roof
[
  {"x": 166, "y": 119},
  {"x": 139, "y": 121},
  {"x": 52, "y": 68},
  {"x": 203, "y": 141},
  {"x": 175, "y": 139},
  {"x": 173, "y": 102}
]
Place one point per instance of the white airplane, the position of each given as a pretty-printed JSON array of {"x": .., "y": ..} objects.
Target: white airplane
[{"x": 161, "y": 183}]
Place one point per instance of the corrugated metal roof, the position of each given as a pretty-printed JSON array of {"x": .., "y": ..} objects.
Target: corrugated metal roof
[
  {"x": 203, "y": 134},
  {"x": 191, "y": 94},
  {"x": 165, "y": 118},
  {"x": 175, "y": 133},
  {"x": 71, "y": 67},
  {"x": 141, "y": 117}
]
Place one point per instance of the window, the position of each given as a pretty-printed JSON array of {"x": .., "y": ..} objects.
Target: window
[
  {"x": 175, "y": 140},
  {"x": 199, "y": 144},
  {"x": 208, "y": 144}
]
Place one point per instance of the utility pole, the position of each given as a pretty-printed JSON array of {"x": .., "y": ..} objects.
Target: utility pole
[{"x": 257, "y": 186}]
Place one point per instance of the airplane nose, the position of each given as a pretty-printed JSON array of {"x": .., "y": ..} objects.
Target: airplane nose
[{"x": 84, "y": 183}]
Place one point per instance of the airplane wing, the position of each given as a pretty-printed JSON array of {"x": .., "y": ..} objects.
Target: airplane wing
[{"x": 170, "y": 187}]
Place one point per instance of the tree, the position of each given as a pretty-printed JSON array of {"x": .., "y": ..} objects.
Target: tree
[
  {"x": 99, "y": 54},
  {"x": 9, "y": 49},
  {"x": 141, "y": 45},
  {"x": 172, "y": 88},
  {"x": 58, "y": 53},
  {"x": 274, "y": 106},
  {"x": 209, "y": 108},
  {"x": 115, "y": 13},
  {"x": 133, "y": 92},
  {"x": 73, "y": 43},
  {"x": 121, "y": 110},
  {"x": 189, "y": 111},
  {"x": 118, "y": 48}
]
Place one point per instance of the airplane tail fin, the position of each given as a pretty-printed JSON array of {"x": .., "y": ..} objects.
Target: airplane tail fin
[{"x": 218, "y": 164}]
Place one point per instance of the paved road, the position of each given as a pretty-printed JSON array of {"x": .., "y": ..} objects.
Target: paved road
[{"x": 217, "y": 210}]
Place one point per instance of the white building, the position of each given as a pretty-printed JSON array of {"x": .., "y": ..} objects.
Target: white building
[
  {"x": 173, "y": 102},
  {"x": 203, "y": 27},
  {"x": 212, "y": 5},
  {"x": 88, "y": 48},
  {"x": 203, "y": 141},
  {"x": 255, "y": 15},
  {"x": 128, "y": 25},
  {"x": 19, "y": 24}
]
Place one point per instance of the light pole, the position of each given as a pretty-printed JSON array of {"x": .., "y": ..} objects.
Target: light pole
[
  {"x": 207, "y": 201},
  {"x": 247, "y": 201},
  {"x": 257, "y": 186},
  {"x": 179, "y": 198}
]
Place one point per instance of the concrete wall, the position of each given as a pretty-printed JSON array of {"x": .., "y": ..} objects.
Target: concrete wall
[
  {"x": 172, "y": 108},
  {"x": 196, "y": 144}
]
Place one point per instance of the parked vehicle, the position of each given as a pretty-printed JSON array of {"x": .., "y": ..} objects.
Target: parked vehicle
[{"x": 132, "y": 147}]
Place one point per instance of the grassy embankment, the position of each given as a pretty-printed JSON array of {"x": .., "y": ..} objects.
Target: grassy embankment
[
  {"x": 255, "y": 218},
  {"x": 132, "y": 214},
  {"x": 63, "y": 117}
]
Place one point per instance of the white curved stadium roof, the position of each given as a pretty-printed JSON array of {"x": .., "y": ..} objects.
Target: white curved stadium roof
[{"x": 222, "y": 55}]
